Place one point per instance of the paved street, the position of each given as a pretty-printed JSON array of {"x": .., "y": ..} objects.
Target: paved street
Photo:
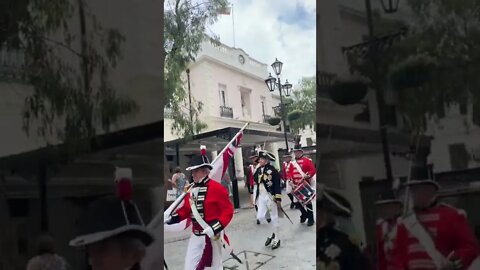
[{"x": 297, "y": 250}]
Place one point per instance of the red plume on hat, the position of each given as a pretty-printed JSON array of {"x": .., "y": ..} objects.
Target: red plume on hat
[
  {"x": 123, "y": 181},
  {"x": 203, "y": 153}
]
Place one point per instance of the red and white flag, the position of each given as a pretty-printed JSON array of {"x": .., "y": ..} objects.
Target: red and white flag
[{"x": 220, "y": 165}]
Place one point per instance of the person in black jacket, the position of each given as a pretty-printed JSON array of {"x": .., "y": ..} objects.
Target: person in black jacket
[
  {"x": 335, "y": 249},
  {"x": 268, "y": 195}
]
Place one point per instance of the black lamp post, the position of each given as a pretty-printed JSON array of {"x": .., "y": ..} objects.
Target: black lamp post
[
  {"x": 389, "y": 6},
  {"x": 273, "y": 83}
]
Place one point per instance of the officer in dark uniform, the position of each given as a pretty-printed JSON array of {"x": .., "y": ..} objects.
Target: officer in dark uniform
[
  {"x": 268, "y": 195},
  {"x": 335, "y": 249}
]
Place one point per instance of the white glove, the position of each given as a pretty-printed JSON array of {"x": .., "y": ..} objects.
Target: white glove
[
  {"x": 209, "y": 231},
  {"x": 166, "y": 221}
]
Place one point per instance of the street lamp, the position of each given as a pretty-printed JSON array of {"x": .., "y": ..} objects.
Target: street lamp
[
  {"x": 390, "y": 6},
  {"x": 273, "y": 83}
]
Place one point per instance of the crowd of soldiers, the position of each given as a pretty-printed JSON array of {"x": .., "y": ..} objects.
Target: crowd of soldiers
[{"x": 414, "y": 232}]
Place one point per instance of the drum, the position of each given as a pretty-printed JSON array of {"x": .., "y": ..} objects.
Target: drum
[{"x": 304, "y": 193}]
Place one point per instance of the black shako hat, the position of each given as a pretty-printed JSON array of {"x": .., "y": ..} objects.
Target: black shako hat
[
  {"x": 333, "y": 202},
  {"x": 386, "y": 198},
  {"x": 423, "y": 182},
  {"x": 200, "y": 161},
  {"x": 266, "y": 154},
  {"x": 108, "y": 217},
  {"x": 297, "y": 147}
]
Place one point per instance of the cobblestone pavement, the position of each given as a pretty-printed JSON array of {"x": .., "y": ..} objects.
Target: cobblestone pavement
[{"x": 297, "y": 250}]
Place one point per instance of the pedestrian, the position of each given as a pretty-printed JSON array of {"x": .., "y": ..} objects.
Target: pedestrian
[
  {"x": 112, "y": 230},
  {"x": 251, "y": 182},
  {"x": 389, "y": 210},
  {"x": 287, "y": 158},
  {"x": 211, "y": 210},
  {"x": 46, "y": 258},
  {"x": 433, "y": 235},
  {"x": 269, "y": 195},
  {"x": 301, "y": 171},
  {"x": 335, "y": 250},
  {"x": 227, "y": 183},
  {"x": 179, "y": 181}
]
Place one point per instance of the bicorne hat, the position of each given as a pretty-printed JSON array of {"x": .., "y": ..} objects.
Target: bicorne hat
[
  {"x": 331, "y": 201},
  {"x": 266, "y": 154}
]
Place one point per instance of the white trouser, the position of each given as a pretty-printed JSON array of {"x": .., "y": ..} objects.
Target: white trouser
[
  {"x": 196, "y": 249},
  {"x": 254, "y": 194},
  {"x": 264, "y": 204}
]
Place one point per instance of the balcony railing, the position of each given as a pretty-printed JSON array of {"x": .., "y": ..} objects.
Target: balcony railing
[
  {"x": 266, "y": 118},
  {"x": 11, "y": 64},
  {"x": 226, "y": 111},
  {"x": 324, "y": 82}
]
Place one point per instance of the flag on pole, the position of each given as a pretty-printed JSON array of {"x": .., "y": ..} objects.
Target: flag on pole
[
  {"x": 226, "y": 10},
  {"x": 220, "y": 167}
]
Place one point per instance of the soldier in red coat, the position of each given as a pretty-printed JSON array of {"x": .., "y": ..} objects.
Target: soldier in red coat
[
  {"x": 207, "y": 202},
  {"x": 301, "y": 171},
  {"x": 389, "y": 210},
  {"x": 433, "y": 235},
  {"x": 287, "y": 158}
]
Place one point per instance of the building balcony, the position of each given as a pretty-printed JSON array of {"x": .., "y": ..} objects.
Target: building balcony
[
  {"x": 226, "y": 112},
  {"x": 266, "y": 118},
  {"x": 11, "y": 65}
]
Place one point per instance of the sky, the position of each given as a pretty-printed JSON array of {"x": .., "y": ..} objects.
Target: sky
[{"x": 266, "y": 29}]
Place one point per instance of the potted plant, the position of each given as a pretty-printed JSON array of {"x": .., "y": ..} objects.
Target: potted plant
[
  {"x": 348, "y": 91},
  {"x": 274, "y": 121},
  {"x": 413, "y": 72},
  {"x": 294, "y": 115}
]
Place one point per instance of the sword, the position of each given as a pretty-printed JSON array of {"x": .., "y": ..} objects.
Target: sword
[
  {"x": 165, "y": 263},
  {"x": 283, "y": 211}
]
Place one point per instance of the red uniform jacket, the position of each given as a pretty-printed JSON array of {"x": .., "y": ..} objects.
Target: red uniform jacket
[
  {"x": 213, "y": 205},
  {"x": 450, "y": 232},
  {"x": 251, "y": 181},
  {"x": 307, "y": 166},
  {"x": 386, "y": 233},
  {"x": 285, "y": 168}
]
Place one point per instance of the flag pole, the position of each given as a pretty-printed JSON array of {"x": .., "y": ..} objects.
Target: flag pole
[
  {"x": 233, "y": 26},
  {"x": 175, "y": 204}
]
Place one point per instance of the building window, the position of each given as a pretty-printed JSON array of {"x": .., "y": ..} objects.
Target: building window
[
  {"x": 459, "y": 156},
  {"x": 222, "y": 94}
]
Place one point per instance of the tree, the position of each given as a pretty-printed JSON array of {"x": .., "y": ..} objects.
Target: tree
[
  {"x": 72, "y": 95},
  {"x": 302, "y": 109},
  {"x": 185, "y": 27}
]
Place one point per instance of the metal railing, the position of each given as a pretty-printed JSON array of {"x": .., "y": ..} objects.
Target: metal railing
[{"x": 226, "y": 111}]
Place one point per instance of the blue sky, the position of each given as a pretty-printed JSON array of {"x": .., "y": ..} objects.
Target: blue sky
[{"x": 266, "y": 29}]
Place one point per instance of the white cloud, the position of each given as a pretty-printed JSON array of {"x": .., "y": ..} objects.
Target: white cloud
[{"x": 260, "y": 32}]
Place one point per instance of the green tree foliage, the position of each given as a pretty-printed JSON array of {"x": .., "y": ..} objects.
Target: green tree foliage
[
  {"x": 447, "y": 34},
  {"x": 186, "y": 22},
  {"x": 68, "y": 57},
  {"x": 303, "y": 100}
]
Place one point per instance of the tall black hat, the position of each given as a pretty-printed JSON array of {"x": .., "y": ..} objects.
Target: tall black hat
[
  {"x": 333, "y": 202},
  {"x": 387, "y": 198},
  {"x": 423, "y": 182},
  {"x": 297, "y": 147},
  {"x": 113, "y": 216},
  {"x": 200, "y": 161}
]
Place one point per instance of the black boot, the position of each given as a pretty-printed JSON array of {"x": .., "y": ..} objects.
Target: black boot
[
  {"x": 269, "y": 240},
  {"x": 258, "y": 222},
  {"x": 304, "y": 215},
  {"x": 311, "y": 221},
  {"x": 292, "y": 204}
]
